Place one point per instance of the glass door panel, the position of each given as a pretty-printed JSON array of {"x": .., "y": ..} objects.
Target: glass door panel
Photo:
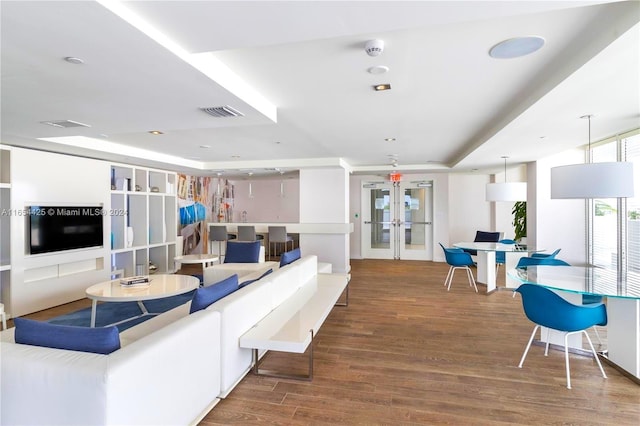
[
  {"x": 416, "y": 240},
  {"x": 378, "y": 230},
  {"x": 397, "y": 221}
]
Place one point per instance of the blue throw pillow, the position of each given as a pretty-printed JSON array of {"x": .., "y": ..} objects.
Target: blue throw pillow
[
  {"x": 103, "y": 340},
  {"x": 246, "y": 283},
  {"x": 289, "y": 257},
  {"x": 242, "y": 252},
  {"x": 205, "y": 296}
]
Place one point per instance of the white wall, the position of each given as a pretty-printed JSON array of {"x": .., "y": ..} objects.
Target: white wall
[
  {"x": 468, "y": 209},
  {"x": 267, "y": 205},
  {"x": 553, "y": 224},
  {"x": 45, "y": 178}
]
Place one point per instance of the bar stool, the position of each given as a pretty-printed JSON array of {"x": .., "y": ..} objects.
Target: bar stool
[
  {"x": 248, "y": 233},
  {"x": 278, "y": 235},
  {"x": 4, "y": 316},
  {"x": 219, "y": 233}
]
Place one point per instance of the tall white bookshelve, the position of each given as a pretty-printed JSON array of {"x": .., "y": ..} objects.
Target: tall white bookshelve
[
  {"x": 5, "y": 222},
  {"x": 144, "y": 214}
]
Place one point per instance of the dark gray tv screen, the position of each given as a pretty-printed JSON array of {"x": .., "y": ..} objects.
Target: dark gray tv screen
[{"x": 59, "y": 228}]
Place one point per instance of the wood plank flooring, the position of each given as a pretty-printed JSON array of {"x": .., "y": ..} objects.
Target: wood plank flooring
[{"x": 407, "y": 352}]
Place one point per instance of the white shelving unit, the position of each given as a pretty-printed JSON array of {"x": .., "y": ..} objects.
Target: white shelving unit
[
  {"x": 143, "y": 219},
  {"x": 5, "y": 222}
]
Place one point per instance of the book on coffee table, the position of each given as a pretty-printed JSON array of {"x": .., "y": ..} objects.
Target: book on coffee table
[{"x": 134, "y": 281}]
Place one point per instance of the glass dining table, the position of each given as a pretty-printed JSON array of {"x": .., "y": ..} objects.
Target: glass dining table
[
  {"x": 486, "y": 260},
  {"x": 622, "y": 300}
]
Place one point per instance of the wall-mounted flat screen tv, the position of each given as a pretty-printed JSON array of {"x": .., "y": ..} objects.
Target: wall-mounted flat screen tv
[{"x": 59, "y": 228}]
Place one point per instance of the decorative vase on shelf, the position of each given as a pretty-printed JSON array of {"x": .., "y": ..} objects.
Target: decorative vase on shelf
[{"x": 129, "y": 236}]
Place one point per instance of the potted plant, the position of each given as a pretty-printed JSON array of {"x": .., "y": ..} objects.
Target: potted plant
[{"x": 520, "y": 220}]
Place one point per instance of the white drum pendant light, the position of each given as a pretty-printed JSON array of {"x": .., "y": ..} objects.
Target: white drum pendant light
[
  {"x": 507, "y": 191},
  {"x": 592, "y": 180}
]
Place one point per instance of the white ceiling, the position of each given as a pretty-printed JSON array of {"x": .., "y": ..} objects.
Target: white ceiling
[{"x": 451, "y": 106}]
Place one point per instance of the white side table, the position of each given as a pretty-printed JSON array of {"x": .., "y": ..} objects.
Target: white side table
[{"x": 205, "y": 260}]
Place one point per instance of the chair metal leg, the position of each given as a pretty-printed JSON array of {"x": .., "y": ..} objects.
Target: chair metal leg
[
  {"x": 566, "y": 359},
  {"x": 546, "y": 349},
  {"x": 471, "y": 279},
  {"x": 452, "y": 272},
  {"x": 446, "y": 280},
  {"x": 595, "y": 355},
  {"x": 566, "y": 355},
  {"x": 526, "y": 351}
]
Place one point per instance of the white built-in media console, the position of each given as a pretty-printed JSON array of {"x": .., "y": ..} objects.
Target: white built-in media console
[{"x": 68, "y": 222}]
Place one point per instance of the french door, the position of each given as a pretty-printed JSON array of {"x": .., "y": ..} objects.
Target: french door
[{"x": 397, "y": 220}]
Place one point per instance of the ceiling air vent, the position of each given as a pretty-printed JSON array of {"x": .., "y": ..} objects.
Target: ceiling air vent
[
  {"x": 65, "y": 123},
  {"x": 222, "y": 111}
]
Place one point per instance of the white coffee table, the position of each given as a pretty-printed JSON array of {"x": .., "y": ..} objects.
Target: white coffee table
[{"x": 160, "y": 286}]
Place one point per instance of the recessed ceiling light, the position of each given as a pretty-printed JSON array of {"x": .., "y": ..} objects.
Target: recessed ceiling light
[
  {"x": 390, "y": 139},
  {"x": 379, "y": 87},
  {"x": 205, "y": 146},
  {"x": 516, "y": 47},
  {"x": 378, "y": 69},
  {"x": 156, "y": 132},
  {"x": 74, "y": 60}
]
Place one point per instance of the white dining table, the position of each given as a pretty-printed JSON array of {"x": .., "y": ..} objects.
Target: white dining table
[{"x": 486, "y": 260}]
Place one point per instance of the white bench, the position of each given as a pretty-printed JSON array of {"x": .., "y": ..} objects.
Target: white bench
[{"x": 291, "y": 326}]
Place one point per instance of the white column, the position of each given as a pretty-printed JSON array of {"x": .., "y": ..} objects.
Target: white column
[{"x": 324, "y": 198}]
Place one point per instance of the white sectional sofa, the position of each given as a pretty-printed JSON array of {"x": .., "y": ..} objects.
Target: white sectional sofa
[
  {"x": 168, "y": 377},
  {"x": 170, "y": 369}
]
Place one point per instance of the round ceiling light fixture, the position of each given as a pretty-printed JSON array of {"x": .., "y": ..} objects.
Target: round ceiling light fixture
[
  {"x": 516, "y": 47},
  {"x": 378, "y": 69}
]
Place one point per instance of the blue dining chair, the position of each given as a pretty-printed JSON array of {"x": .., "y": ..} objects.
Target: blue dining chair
[
  {"x": 534, "y": 261},
  {"x": 545, "y": 308},
  {"x": 546, "y": 255},
  {"x": 458, "y": 259},
  {"x": 500, "y": 256}
]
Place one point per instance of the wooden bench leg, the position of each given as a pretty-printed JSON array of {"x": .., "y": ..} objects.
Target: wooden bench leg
[{"x": 271, "y": 373}]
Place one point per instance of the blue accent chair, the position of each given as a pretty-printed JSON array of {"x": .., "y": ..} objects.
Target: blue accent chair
[
  {"x": 534, "y": 261},
  {"x": 500, "y": 256},
  {"x": 545, "y": 308},
  {"x": 546, "y": 255},
  {"x": 458, "y": 259}
]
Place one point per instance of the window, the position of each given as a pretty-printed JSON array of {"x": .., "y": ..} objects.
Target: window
[{"x": 614, "y": 238}]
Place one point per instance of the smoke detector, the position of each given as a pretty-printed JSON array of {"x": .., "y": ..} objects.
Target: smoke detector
[{"x": 374, "y": 47}]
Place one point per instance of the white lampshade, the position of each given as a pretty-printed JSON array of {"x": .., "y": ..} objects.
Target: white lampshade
[
  {"x": 507, "y": 191},
  {"x": 592, "y": 180}
]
